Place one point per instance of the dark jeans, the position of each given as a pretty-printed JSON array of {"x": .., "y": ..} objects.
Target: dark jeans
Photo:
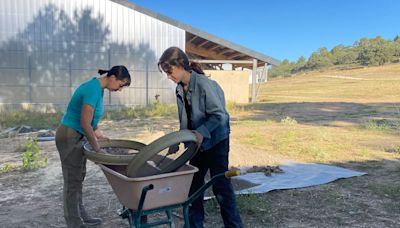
[{"x": 215, "y": 160}]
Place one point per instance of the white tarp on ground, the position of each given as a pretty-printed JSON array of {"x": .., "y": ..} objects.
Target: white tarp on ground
[{"x": 295, "y": 175}]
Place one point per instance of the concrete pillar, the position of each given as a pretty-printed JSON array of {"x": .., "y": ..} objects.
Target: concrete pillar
[
  {"x": 266, "y": 71},
  {"x": 254, "y": 82}
]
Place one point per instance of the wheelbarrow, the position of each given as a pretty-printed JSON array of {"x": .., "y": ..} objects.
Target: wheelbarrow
[
  {"x": 157, "y": 194},
  {"x": 151, "y": 180}
]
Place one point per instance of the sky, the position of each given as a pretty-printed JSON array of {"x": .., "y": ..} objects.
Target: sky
[{"x": 285, "y": 29}]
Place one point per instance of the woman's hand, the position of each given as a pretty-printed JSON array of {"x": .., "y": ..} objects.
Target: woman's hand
[
  {"x": 173, "y": 149},
  {"x": 199, "y": 137},
  {"x": 100, "y": 136}
]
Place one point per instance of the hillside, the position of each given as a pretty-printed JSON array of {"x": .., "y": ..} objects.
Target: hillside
[{"x": 365, "y": 85}]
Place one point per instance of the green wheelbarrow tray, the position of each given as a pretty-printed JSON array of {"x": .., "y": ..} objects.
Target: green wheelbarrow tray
[{"x": 152, "y": 159}]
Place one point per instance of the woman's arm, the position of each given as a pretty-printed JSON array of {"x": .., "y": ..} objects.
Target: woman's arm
[
  {"x": 86, "y": 119},
  {"x": 214, "y": 108}
]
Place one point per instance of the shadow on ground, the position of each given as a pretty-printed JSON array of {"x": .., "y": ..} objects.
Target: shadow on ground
[{"x": 325, "y": 113}]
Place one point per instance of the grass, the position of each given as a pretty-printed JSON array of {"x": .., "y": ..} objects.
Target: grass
[
  {"x": 328, "y": 117},
  {"x": 50, "y": 120},
  {"x": 382, "y": 125},
  {"x": 248, "y": 205},
  {"x": 347, "y": 118},
  {"x": 7, "y": 167},
  {"x": 35, "y": 119},
  {"x": 374, "y": 84},
  {"x": 155, "y": 110},
  {"x": 310, "y": 143},
  {"x": 391, "y": 190}
]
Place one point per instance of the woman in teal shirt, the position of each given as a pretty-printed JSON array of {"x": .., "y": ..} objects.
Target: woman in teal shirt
[{"x": 80, "y": 120}]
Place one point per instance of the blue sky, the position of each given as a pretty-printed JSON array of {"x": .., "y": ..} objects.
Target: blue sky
[{"x": 286, "y": 28}]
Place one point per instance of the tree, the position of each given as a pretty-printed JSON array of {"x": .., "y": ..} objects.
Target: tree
[
  {"x": 319, "y": 59},
  {"x": 396, "y": 49},
  {"x": 283, "y": 69},
  {"x": 376, "y": 51},
  {"x": 299, "y": 65},
  {"x": 343, "y": 55}
]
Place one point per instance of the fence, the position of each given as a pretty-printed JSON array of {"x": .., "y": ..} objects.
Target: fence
[{"x": 51, "y": 76}]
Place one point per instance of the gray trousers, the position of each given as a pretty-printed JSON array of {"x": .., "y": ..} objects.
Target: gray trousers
[{"x": 70, "y": 146}]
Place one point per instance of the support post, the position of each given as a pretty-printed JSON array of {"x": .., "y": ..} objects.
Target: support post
[
  {"x": 109, "y": 66},
  {"x": 147, "y": 82},
  {"x": 254, "y": 81},
  {"x": 266, "y": 71}
]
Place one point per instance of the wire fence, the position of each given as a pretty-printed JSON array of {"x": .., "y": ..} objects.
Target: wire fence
[{"x": 51, "y": 76}]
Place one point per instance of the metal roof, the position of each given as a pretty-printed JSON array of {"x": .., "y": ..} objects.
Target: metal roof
[{"x": 204, "y": 45}]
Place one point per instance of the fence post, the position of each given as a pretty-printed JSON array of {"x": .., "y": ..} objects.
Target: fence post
[
  {"x": 70, "y": 76},
  {"x": 30, "y": 78},
  {"x": 147, "y": 82},
  {"x": 109, "y": 66}
]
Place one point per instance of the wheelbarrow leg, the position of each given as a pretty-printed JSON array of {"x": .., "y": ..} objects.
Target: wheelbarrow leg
[
  {"x": 138, "y": 214},
  {"x": 170, "y": 219},
  {"x": 201, "y": 190},
  {"x": 186, "y": 215}
]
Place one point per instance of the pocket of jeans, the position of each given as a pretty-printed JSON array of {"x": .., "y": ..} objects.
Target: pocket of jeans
[{"x": 69, "y": 141}]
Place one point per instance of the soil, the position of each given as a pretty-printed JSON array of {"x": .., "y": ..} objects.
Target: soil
[
  {"x": 34, "y": 198},
  {"x": 118, "y": 151}
]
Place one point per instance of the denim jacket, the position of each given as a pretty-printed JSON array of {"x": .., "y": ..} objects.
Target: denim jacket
[{"x": 208, "y": 114}]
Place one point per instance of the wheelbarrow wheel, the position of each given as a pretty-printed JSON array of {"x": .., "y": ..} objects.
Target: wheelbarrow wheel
[
  {"x": 113, "y": 159},
  {"x": 152, "y": 159}
]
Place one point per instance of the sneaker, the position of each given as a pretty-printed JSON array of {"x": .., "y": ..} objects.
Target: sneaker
[{"x": 92, "y": 221}]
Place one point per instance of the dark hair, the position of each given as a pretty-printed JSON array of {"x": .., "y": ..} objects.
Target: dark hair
[
  {"x": 120, "y": 72},
  {"x": 174, "y": 56}
]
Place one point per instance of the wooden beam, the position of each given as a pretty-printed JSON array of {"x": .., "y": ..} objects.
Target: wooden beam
[
  {"x": 191, "y": 39},
  {"x": 202, "y": 43},
  {"x": 210, "y": 55},
  {"x": 236, "y": 55},
  {"x": 224, "y": 51},
  {"x": 213, "y": 48},
  {"x": 222, "y": 61},
  {"x": 191, "y": 48}
]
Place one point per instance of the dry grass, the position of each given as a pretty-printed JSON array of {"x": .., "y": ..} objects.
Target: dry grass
[
  {"x": 368, "y": 85},
  {"x": 347, "y": 118}
]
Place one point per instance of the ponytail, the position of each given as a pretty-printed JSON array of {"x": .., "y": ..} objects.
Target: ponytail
[
  {"x": 101, "y": 72},
  {"x": 120, "y": 72},
  {"x": 196, "y": 67}
]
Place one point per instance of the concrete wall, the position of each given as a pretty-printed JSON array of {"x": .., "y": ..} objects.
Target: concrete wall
[{"x": 234, "y": 83}]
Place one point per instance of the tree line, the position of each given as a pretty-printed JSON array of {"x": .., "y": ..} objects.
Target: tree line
[{"x": 364, "y": 52}]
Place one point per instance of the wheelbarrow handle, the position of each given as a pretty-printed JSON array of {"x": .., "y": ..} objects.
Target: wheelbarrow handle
[
  {"x": 232, "y": 173},
  {"x": 200, "y": 191}
]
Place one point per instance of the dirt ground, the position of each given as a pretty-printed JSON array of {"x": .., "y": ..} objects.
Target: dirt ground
[{"x": 34, "y": 198}]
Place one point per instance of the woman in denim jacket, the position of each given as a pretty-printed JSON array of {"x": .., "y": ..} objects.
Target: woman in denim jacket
[{"x": 201, "y": 107}]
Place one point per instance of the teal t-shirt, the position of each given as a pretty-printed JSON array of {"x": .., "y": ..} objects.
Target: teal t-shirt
[{"x": 89, "y": 93}]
